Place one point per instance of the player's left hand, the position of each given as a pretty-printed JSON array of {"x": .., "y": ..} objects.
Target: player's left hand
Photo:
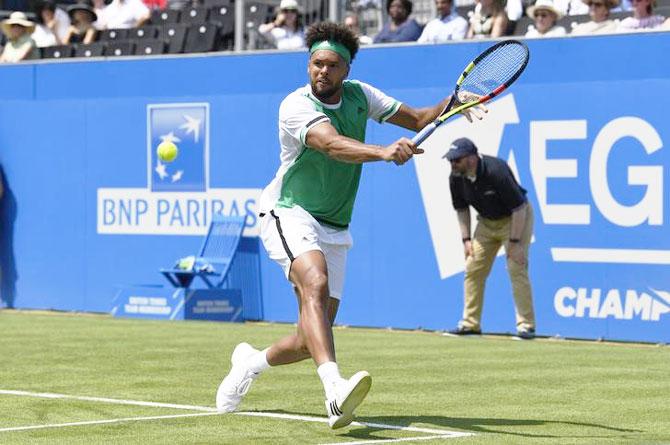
[
  {"x": 477, "y": 111},
  {"x": 516, "y": 253}
]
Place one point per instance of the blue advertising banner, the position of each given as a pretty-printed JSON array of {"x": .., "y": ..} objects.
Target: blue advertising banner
[
  {"x": 89, "y": 207},
  {"x": 164, "y": 303}
]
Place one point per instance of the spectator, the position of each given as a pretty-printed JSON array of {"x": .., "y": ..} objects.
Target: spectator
[
  {"x": 82, "y": 30},
  {"x": 447, "y": 26},
  {"x": 52, "y": 24},
  {"x": 643, "y": 17},
  {"x": 489, "y": 20},
  {"x": 19, "y": 46},
  {"x": 123, "y": 14},
  {"x": 600, "y": 23},
  {"x": 400, "y": 28},
  {"x": 514, "y": 9},
  {"x": 285, "y": 31},
  {"x": 571, "y": 7},
  {"x": 99, "y": 7},
  {"x": 505, "y": 217},
  {"x": 351, "y": 22},
  {"x": 545, "y": 15}
]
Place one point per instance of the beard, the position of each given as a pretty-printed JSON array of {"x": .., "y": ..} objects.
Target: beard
[{"x": 324, "y": 93}]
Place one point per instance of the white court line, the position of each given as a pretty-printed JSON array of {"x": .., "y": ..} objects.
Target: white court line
[
  {"x": 48, "y": 395},
  {"x": 99, "y": 422},
  {"x": 444, "y": 434}
]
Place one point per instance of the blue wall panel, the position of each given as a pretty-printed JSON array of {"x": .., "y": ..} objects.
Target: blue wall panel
[{"x": 584, "y": 127}]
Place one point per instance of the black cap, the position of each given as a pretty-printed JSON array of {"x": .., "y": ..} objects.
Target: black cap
[{"x": 460, "y": 148}]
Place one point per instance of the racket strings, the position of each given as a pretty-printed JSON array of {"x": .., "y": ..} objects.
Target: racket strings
[{"x": 495, "y": 69}]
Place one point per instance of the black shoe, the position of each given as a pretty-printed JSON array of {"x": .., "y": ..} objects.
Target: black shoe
[
  {"x": 462, "y": 330},
  {"x": 526, "y": 334}
]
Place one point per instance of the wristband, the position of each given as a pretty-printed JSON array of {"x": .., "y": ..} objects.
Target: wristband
[
  {"x": 514, "y": 240},
  {"x": 467, "y": 239}
]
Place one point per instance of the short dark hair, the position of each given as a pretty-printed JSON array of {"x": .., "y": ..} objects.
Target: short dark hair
[
  {"x": 46, "y": 5},
  {"x": 332, "y": 31},
  {"x": 407, "y": 4}
]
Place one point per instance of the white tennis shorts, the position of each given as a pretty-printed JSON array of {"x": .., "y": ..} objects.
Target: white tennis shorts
[{"x": 287, "y": 233}]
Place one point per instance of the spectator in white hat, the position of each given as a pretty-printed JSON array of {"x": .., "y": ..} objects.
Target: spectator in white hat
[
  {"x": 643, "y": 17},
  {"x": 600, "y": 23},
  {"x": 285, "y": 31},
  {"x": 545, "y": 15},
  {"x": 20, "y": 46}
]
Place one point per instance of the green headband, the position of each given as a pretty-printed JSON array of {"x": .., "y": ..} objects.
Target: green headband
[{"x": 331, "y": 45}]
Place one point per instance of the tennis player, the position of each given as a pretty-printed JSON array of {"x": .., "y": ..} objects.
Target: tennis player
[{"x": 306, "y": 210}]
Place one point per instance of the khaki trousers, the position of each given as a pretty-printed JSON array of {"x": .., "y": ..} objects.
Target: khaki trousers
[{"x": 489, "y": 236}]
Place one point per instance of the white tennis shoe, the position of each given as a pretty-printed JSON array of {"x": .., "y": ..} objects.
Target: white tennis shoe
[
  {"x": 238, "y": 381},
  {"x": 349, "y": 394}
]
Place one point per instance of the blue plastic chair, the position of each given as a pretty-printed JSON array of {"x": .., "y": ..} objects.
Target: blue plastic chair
[{"x": 218, "y": 250}]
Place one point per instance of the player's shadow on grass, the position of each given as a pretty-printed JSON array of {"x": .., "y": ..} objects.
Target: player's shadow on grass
[
  {"x": 489, "y": 425},
  {"x": 376, "y": 430}
]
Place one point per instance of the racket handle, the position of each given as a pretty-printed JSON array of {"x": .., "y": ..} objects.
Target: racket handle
[{"x": 423, "y": 134}]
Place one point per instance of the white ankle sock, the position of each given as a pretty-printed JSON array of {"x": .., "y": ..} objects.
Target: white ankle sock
[
  {"x": 330, "y": 375},
  {"x": 258, "y": 362}
]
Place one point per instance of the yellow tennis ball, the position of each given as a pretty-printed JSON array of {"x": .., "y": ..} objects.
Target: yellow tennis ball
[{"x": 167, "y": 151}]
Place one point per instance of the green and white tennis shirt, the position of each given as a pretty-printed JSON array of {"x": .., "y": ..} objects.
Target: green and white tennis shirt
[{"x": 324, "y": 187}]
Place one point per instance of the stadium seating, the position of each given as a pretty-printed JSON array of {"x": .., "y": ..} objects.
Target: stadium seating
[
  {"x": 224, "y": 16},
  {"x": 165, "y": 17},
  {"x": 218, "y": 3},
  {"x": 175, "y": 36},
  {"x": 201, "y": 38},
  {"x": 197, "y": 15},
  {"x": 120, "y": 48},
  {"x": 57, "y": 52},
  {"x": 113, "y": 34},
  {"x": 257, "y": 13},
  {"x": 147, "y": 32},
  {"x": 96, "y": 49},
  {"x": 149, "y": 47}
]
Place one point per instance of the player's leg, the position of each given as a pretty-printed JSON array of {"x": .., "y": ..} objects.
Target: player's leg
[
  {"x": 309, "y": 274},
  {"x": 521, "y": 288},
  {"x": 485, "y": 246},
  {"x": 293, "y": 348}
]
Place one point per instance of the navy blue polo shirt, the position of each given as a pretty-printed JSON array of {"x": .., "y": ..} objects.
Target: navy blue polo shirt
[{"x": 495, "y": 194}]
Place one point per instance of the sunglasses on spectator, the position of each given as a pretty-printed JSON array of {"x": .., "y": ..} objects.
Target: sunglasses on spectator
[{"x": 542, "y": 14}]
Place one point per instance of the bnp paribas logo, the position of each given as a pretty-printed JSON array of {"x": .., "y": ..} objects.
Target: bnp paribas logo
[
  {"x": 186, "y": 126},
  {"x": 177, "y": 198}
]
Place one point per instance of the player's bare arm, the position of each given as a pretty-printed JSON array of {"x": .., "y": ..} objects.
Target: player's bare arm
[
  {"x": 325, "y": 138},
  {"x": 416, "y": 118}
]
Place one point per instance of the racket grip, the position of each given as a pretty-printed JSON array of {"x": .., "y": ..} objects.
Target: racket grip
[{"x": 424, "y": 133}]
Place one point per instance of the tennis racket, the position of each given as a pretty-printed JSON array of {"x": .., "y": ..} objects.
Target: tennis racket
[{"x": 491, "y": 73}]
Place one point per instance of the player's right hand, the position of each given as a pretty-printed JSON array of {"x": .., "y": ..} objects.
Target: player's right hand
[
  {"x": 467, "y": 249},
  {"x": 401, "y": 151}
]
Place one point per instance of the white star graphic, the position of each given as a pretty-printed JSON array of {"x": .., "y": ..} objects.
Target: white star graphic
[
  {"x": 177, "y": 176},
  {"x": 170, "y": 137},
  {"x": 160, "y": 169},
  {"x": 192, "y": 125}
]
